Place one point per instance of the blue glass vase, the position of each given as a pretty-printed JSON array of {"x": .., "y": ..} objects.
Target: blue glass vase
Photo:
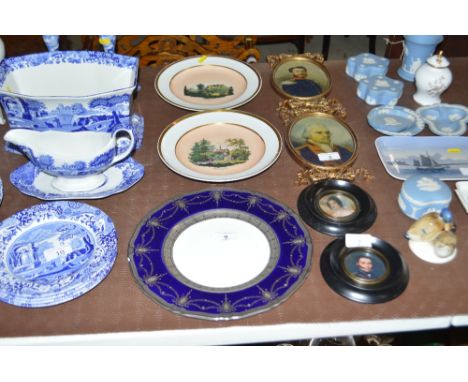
[{"x": 416, "y": 50}]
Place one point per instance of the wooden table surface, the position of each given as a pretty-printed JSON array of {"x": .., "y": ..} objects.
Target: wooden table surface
[{"x": 434, "y": 292}]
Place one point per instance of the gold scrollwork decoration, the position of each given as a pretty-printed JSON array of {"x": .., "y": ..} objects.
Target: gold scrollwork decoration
[
  {"x": 275, "y": 59},
  {"x": 290, "y": 109},
  {"x": 312, "y": 175}
]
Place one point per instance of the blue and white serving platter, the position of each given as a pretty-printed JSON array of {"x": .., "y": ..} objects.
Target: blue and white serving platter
[
  {"x": 120, "y": 177},
  {"x": 54, "y": 252},
  {"x": 445, "y": 158},
  {"x": 395, "y": 120},
  {"x": 445, "y": 119},
  {"x": 220, "y": 254}
]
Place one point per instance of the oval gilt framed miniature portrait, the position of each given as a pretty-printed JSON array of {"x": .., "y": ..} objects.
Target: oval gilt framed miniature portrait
[
  {"x": 336, "y": 207},
  {"x": 371, "y": 274},
  {"x": 301, "y": 77},
  {"x": 320, "y": 140}
]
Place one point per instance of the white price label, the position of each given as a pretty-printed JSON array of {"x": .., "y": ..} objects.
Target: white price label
[
  {"x": 464, "y": 170},
  {"x": 329, "y": 156},
  {"x": 354, "y": 240}
]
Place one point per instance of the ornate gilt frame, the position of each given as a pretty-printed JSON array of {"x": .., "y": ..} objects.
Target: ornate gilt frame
[
  {"x": 312, "y": 172},
  {"x": 307, "y": 164},
  {"x": 314, "y": 59}
]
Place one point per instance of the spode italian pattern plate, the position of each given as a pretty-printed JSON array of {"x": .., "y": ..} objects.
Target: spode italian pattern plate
[
  {"x": 220, "y": 254},
  {"x": 54, "y": 252}
]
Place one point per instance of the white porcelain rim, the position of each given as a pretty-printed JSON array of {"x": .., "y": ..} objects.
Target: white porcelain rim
[
  {"x": 172, "y": 134},
  {"x": 163, "y": 80}
]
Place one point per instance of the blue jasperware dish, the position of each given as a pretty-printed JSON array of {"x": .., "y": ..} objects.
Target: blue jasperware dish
[
  {"x": 395, "y": 120},
  {"x": 445, "y": 119},
  {"x": 365, "y": 65},
  {"x": 380, "y": 90}
]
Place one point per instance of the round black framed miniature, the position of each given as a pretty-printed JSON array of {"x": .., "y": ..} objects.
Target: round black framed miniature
[
  {"x": 336, "y": 207},
  {"x": 368, "y": 275}
]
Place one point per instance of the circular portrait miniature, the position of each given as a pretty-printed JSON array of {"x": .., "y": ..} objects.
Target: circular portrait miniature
[
  {"x": 338, "y": 206},
  {"x": 321, "y": 140},
  {"x": 364, "y": 265},
  {"x": 301, "y": 77}
]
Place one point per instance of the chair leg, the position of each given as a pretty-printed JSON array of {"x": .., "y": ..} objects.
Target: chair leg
[
  {"x": 372, "y": 44},
  {"x": 325, "y": 47},
  {"x": 300, "y": 44}
]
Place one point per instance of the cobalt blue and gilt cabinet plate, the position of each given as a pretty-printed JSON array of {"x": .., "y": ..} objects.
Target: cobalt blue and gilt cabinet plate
[
  {"x": 54, "y": 252},
  {"x": 220, "y": 254}
]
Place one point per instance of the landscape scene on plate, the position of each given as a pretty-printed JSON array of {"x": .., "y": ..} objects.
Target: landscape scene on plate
[
  {"x": 37, "y": 253},
  {"x": 208, "y": 91},
  {"x": 231, "y": 152}
]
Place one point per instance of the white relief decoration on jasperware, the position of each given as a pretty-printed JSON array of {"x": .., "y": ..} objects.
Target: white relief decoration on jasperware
[
  {"x": 427, "y": 184},
  {"x": 382, "y": 83},
  {"x": 369, "y": 61},
  {"x": 454, "y": 117},
  {"x": 391, "y": 121},
  {"x": 415, "y": 65}
]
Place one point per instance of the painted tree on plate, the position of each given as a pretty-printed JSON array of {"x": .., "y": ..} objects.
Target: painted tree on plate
[{"x": 201, "y": 151}]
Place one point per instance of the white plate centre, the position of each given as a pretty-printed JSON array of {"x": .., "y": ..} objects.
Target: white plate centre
[{"x": 221, "y": 252}]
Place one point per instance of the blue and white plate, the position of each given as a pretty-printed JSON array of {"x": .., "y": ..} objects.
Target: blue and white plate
[
  {"x": 395, "y": 120},
  {"x": 445, "y": 119},
  {"x": 220, "y": 254},
  {"x": 120, "y": 177},
  {"x": 54, "y": 252}
]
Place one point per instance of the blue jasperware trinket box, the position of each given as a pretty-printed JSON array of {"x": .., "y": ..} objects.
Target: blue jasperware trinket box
[
  {"x": 366, "y": 65},
  {"x": 421, "y": 194},
  {"x": 380, "y": 90}
]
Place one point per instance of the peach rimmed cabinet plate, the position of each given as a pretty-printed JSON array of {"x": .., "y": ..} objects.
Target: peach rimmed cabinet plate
[
  {"x": 219, "y": 146},
  {"x": 208, "y": 83}
]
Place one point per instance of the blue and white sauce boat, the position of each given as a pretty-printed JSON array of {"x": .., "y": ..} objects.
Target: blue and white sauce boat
[{"x": 76, "y": 159}]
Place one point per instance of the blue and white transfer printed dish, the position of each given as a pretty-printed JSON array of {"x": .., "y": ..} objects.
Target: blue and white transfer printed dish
[
  {"x": 220, "y": 254},
  {"x": 421, "y": 194},
  {"x": 54, "y": 252},
  {"x": 366, "y": 65},
  {"x": 75, "y": 159},
  {"x": 68, "y": 90},
  {"x": 445, "y": 119},
  {"x": 380, "y": 90},
  {"x": 445, "y": 158},
  {"x": 395, "y": 120},
  {"x": 32, "y": 181}
]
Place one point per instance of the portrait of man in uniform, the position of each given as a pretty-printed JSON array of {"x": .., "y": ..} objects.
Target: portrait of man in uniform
[
  {"x": 318, "y": 139},
  {"x": 299, "y": 85},
  {"x": 301, "y": 77},
  {"x": 366, "y": 266}
]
